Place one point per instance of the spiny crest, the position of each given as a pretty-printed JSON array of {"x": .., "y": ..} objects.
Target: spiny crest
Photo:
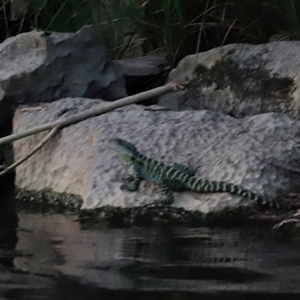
[{"x": 125, "y": 149}]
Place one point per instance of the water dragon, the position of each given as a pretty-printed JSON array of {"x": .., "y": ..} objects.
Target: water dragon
[{"x": 175, "y": 177}]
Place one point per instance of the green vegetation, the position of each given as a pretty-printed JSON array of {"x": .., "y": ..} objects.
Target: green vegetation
[
  {"x": 180, "y": 26},
  {"x": 59, "y": 16}
]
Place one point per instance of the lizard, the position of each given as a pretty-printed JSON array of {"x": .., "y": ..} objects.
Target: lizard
[{"x": 174, "y": 177}]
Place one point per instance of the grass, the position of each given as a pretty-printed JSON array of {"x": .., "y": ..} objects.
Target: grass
[
  {"x": 115, "y": 21},
  {"x": 179, "y": 26},
  {"x": 60, "y": 16}
]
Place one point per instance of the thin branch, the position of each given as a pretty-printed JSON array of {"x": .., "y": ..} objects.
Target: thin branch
[
  {"x": 96, "y": 111},
  {"x": 57, "y": 125},
  {"x": 33, "y": 151}
]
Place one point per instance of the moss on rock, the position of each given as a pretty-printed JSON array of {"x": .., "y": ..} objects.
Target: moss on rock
[{"x": 47, "y": 201}]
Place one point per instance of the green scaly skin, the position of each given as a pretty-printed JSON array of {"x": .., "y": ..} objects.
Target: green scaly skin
[{"x": 176, "y": 177}]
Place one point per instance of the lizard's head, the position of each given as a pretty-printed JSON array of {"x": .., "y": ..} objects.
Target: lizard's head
[{"x": 126, "y": 150}]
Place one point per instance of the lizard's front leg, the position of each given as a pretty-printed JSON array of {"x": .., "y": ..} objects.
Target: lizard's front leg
[{"x": 133, "y": 187}]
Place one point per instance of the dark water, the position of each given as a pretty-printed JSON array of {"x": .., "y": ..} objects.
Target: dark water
[{"x": 51, "y": 257}]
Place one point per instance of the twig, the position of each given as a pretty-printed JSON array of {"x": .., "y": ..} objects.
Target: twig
[
  {"x": 93, "y": 112},
  {"x": 57, "y": 125},
  {"x": 33, "y": 151}
]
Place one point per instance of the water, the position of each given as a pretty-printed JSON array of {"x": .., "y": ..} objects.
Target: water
[{"x": 52, "y": 257}]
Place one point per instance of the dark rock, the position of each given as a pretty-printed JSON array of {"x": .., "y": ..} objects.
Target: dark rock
[
  {"x": 36, "y": 68},
  {"x": 239, "y": 80},
  {"x": 145, "y": 72}
]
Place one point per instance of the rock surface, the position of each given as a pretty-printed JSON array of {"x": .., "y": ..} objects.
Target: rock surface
[
  {"x": 255, "y": 152},
  {"x": 240, "y": 80},
  {"x": 36, "y": 68}
]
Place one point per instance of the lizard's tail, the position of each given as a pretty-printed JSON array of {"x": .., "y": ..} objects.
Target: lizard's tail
[{"x": 206, "y": 186}]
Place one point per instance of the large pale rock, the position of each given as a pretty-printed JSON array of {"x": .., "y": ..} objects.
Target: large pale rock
[
  {"x": 256, "y": 152},
  {"x": 240, "y": 80}
]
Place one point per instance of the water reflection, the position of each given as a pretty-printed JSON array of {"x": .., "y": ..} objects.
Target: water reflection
[
  {"x": 53, "y": 254},
  {"x": 8, "y": 238}
]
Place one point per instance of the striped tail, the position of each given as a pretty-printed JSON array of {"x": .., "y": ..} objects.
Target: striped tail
[{"x": 206, "y": 186}]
